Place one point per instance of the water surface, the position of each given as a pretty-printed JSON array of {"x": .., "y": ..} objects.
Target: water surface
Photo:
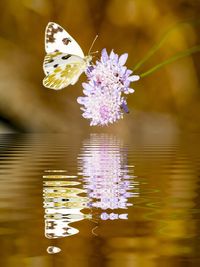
[{"x": 99, "y": 200}]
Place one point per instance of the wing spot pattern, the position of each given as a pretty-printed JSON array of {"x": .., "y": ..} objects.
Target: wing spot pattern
[
  {"x": 66, "y": 41},
  {"x": 66, "y": 57},
  {"x": 51, "y": 31}
]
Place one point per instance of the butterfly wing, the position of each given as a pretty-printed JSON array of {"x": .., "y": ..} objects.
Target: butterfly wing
[
  {"x": 62, "y": 70},
  {"x": 58, "y": 40}
]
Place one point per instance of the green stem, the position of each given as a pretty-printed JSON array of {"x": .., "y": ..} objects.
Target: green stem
[
  {"x": 171, "y": 59},
  {"x": 161, "y": 42}
]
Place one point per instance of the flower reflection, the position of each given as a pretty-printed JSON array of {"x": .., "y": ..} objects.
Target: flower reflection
[
  {"x": 108, "y": 179},
  {"x": 62, "y": 204}
]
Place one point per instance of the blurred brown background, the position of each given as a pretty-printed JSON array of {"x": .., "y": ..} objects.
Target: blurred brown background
[{"x": 168, "y": 100}]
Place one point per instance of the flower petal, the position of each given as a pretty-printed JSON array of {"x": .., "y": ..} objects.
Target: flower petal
[
  {"x": 125, "y": 107},
  {"x": 87, "y": 93},
  {"x": 89, "y": 70},
  {"x": 129, "y": 72},
  {"x": 81, "y": 100},
  {"x": 86, "y": 115},
  {"x": 131, "y": 90},
  {"x": 123, "y": 59},
  {"x": 87, "y": 87},
  {"x": 116, "y": 58},
  {"x": 104, "y": 55},
  {"x": 123, "y": 70},
  {"x": 112, "y": 55},
  {"x": 133, "y": 78},
  {"x": 127, "y": 83}
]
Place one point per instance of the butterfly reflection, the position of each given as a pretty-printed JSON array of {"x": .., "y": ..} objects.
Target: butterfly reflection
[
  {"x": 107, "y": 177},
  {"x": 62, "y": 203}
]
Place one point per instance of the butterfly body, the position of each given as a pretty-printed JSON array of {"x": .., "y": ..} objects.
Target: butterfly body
[{"x": 65, "y": 61}]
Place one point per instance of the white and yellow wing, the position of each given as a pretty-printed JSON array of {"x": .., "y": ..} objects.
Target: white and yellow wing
[
  {"x": 58, "y": 40},
  {"x": 62, "y": 70}
]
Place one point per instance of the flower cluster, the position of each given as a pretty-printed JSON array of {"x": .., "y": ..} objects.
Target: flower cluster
[{"x": 108, "y": 83}]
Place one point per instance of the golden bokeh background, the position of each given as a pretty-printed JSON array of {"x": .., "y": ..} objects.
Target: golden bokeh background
[{"x": 167, "y": 100}]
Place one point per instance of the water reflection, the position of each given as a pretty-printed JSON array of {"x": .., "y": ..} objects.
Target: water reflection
[
  {"x": 85, "y": 184},
  {"x": 53, "y": 250},
  {"x": 103, "y": 185},
  {"x": 62, "y": 204},
  {"x": 107, "y": 178}
]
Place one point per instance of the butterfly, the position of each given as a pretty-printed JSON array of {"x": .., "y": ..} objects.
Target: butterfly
[{"x": 65, "y": 61}]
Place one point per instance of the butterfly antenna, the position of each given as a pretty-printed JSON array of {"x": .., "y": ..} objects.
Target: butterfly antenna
[
  {"x": 91, "y": 53},
  {"x": 93, "y": 44}
]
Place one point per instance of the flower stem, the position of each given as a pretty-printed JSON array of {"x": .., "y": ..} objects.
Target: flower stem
[
  {"x": 162, "y": 40},
  {"x": 171, "y": 59}
]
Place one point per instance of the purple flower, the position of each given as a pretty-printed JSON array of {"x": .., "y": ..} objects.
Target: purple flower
[{"x": 108, "y": 81}]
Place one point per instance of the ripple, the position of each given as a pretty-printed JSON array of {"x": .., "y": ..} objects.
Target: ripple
[{"x": 120, "y": 196}]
